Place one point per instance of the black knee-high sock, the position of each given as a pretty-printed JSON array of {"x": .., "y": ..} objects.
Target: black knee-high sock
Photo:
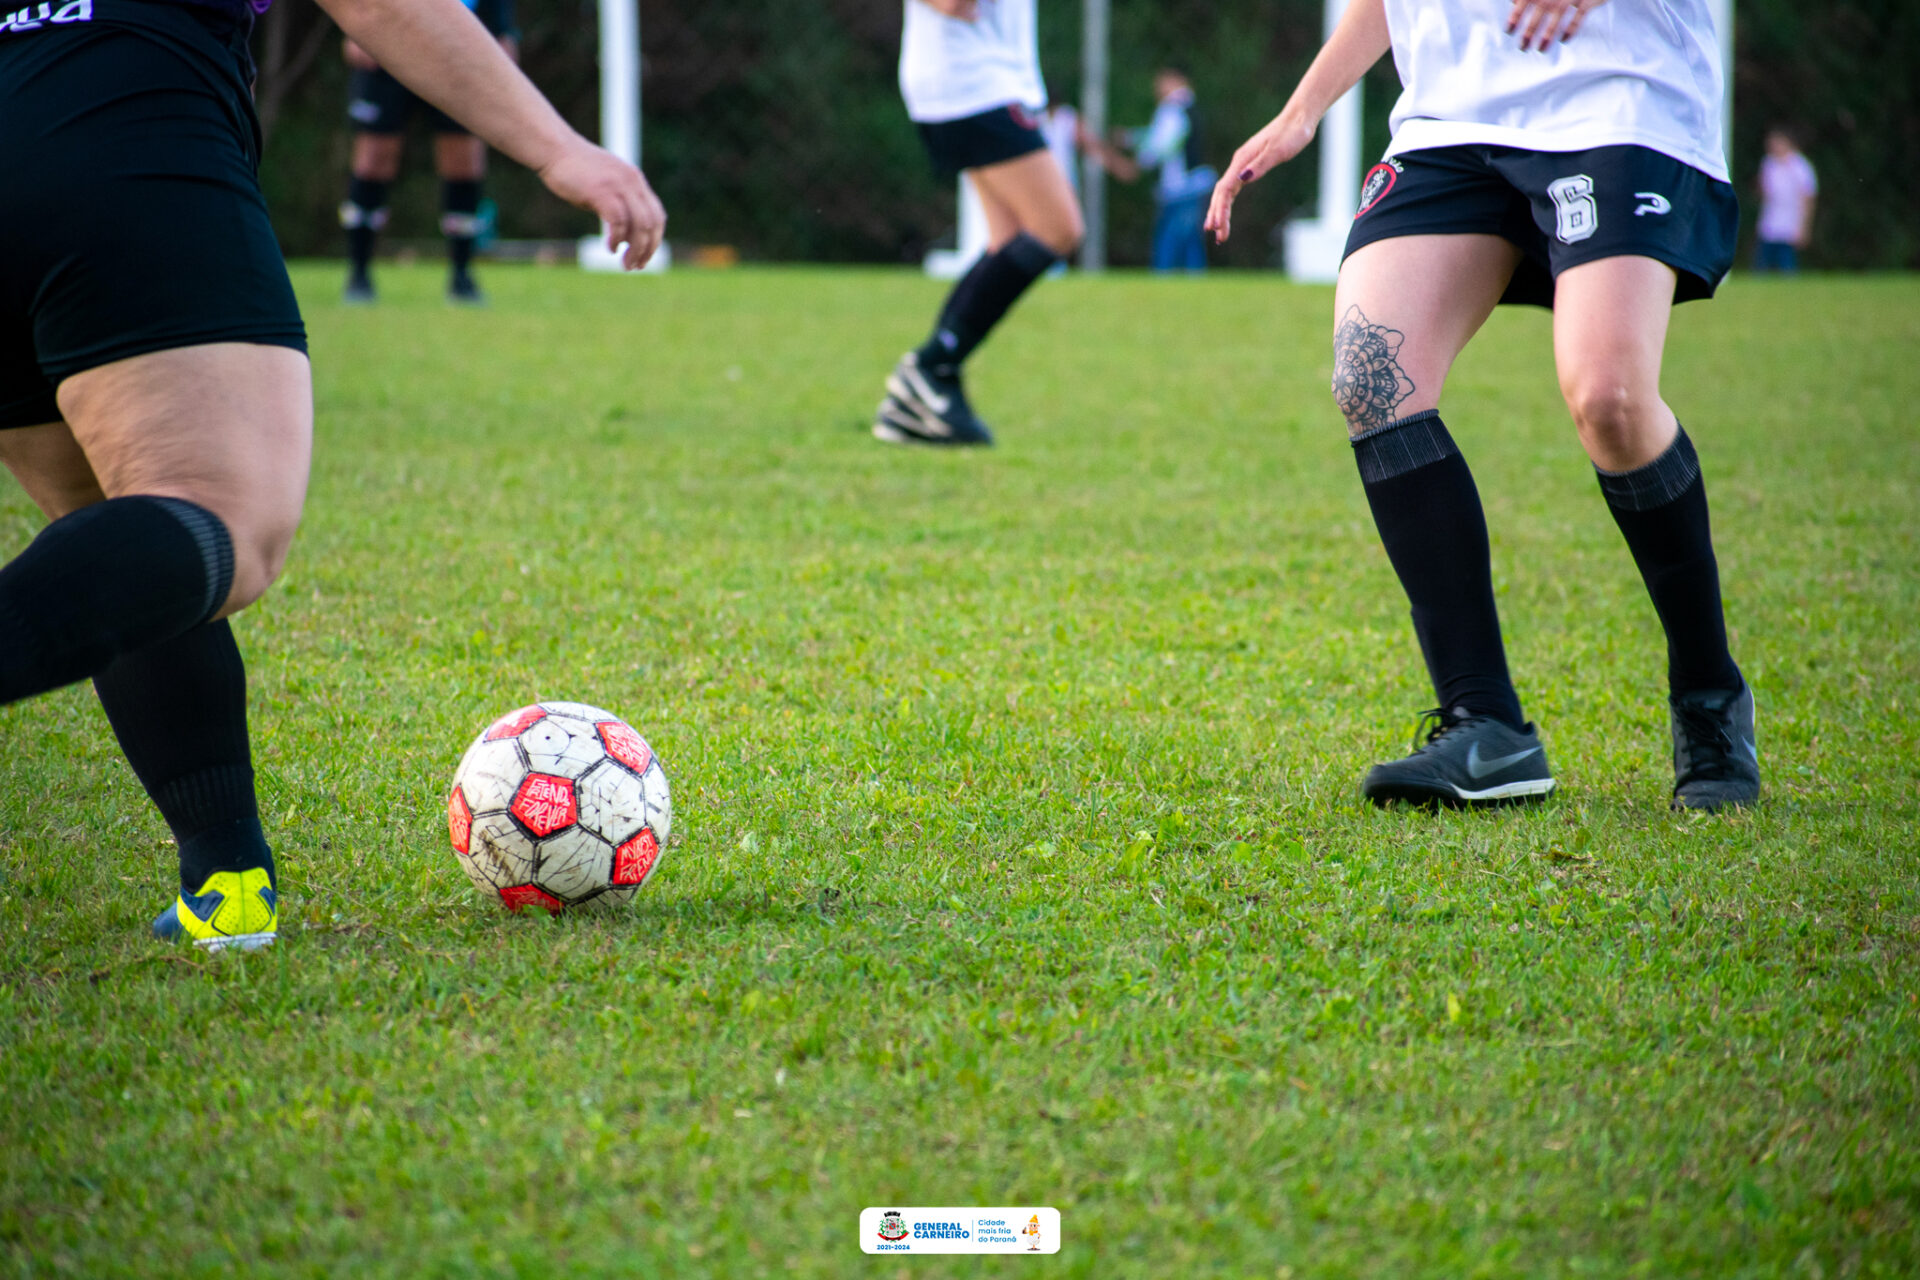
[
  {"x": 1661, "y": 509},
  {"x": 982, "y": 296},
  {"x": 459, "y": 221},
  {"x": 179, "y": 709},
  {"x": 1428, "y": 513},
  {"x": 363, "y": 215},
  {"x": 105, "y": 581}
]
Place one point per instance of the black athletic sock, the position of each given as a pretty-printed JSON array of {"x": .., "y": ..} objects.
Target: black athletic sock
[
  {"x": 363, "y": 215},
  {"x": 1661, "y": 509},
  {"x": 103, "y": 582},
  {"x": 459, "y": 222},
  {"x": 981, "y": 298},
  {"x": 1428, "y": 513},
  {"x": 179, "y": 708}
]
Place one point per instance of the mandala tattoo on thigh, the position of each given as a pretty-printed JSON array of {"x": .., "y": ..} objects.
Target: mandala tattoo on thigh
[{"x": 1368, "y": 382}]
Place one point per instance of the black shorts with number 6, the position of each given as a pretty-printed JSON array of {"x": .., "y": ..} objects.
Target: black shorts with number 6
[{"x": 1562, "y": 208}]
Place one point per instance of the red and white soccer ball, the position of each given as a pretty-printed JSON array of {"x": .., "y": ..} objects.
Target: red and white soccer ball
[{"x": 559, "y": 804}]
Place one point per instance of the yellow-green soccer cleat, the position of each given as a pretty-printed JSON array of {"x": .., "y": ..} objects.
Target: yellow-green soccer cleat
[{"x": 232, "y": 909}]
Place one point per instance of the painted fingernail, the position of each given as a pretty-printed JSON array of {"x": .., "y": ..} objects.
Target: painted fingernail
[{"x": 1246, "y": 175}]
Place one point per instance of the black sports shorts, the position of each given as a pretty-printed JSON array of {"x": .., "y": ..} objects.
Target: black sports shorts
[
  {"x": 377, "y": 103},
  {"x": 1562, "y": 208},
  {"x": 130, "y": 214},
  {"x": 971, "y": 142}
]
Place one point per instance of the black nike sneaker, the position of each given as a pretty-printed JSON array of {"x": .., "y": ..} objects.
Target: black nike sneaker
[
  {"x": 1716, "y": 764},
  {"x": 1465, "y": 761},
  {"x": 925, "y": 407}
]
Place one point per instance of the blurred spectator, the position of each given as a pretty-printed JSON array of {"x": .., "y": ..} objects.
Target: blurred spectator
[
  {"x": 1787, "y": 192},
  {"x": 1171, "y": 143}
]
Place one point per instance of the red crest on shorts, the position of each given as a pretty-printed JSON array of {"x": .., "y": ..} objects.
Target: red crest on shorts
[
  {"x": 624, "y": 745},
  {"x": 515, "y": 723},
  {"x": 633, "y": 861},
  {"x": 1379, "y": 181},
  {"x": 459, "y": 822}
]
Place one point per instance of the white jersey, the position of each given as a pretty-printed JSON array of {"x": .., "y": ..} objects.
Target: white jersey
[
  {"x": 1640, "y": 72},
  {"x": 950, "y": 69}
]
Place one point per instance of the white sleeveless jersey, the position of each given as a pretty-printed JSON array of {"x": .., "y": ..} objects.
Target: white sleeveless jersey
[
  {"x": 1640, "y": 72},
  {"x": 950, "y": 69}
]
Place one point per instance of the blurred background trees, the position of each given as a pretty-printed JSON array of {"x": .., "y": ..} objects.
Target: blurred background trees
[{"x": 777, "y": 129}]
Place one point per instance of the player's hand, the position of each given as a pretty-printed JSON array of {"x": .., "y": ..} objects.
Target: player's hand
[
  {"x": 357, "y": 58},
  {"x": 965, "y": 10},
  {"x": 600, "y": 182},
  {"x": 1273, "y": 146},
  {"x": 1541, "y": 22}
]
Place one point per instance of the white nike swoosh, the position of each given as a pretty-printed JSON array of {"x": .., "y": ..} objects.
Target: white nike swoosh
[{"x": 1481, "y": 768}]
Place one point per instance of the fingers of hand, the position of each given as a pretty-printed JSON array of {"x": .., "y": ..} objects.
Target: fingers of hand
[{"x": 1578, "y": 16}]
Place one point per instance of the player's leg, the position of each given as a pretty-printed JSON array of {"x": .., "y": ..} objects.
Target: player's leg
[
  {"x": 378, "y": 107},
  {"x": 1405, "y": 308},
  {"x": 201, "y": 455},
  {"x": 461, "y": 159},
  {"x": 1610, "y": 326},
  {"x": 376, "y": 163},
  {"x": 179, "y": 709},
  {"x": 1033, "y": 220}
]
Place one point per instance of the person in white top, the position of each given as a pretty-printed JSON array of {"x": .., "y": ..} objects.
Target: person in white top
[
  {"x": 970, "y": 75},
  {"x": 1787, "y": 191},
  {"x": 1565, "y": 153},
  {"x": 1171, "y": 143}
]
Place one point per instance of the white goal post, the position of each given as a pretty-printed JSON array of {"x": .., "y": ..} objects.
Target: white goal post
[{"x": 619, "y": 116}]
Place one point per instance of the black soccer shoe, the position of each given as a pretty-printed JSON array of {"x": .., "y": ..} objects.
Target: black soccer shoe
[
  {"x": 925, "y": 407},
  {"x": 1466, "y": 761},
  {"x": 463, "y": 292},
  {"x": 359, "y": 292},
  {"x": 1715, "y": 762}
]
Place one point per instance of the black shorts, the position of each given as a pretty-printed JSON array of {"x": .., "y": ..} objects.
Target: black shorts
[
  {"x": 130, "y": 213},
  {"x": 377, "y": 103},
  {"x": 972, "y": 142},
  {"x": 1562, "y": 208}
]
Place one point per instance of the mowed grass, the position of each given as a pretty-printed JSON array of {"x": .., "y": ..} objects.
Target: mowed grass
[{"x": 1018, "y": 854}]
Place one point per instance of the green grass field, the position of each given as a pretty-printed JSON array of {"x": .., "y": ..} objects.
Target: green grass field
[{"x": 1018, "y": 853}]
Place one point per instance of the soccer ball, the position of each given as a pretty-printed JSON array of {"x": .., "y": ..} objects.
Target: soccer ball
[{"x": 556, "y": 805}]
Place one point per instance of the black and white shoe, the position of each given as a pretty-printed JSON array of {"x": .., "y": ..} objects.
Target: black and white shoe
[
  {"x": 924, "y": 407},
  {"x": 1466, "y": 760},
  {"x": 1716, "y": 764}
]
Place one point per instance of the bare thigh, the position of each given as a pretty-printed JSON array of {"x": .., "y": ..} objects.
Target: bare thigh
[
  {"x": 50, "y": 466},
  {"x": 1403, "y": 310},
  {"x": 1609, "y": 335},
  {"x": 227, "y": 425},
  {"x": 1029, "y": 193}
]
